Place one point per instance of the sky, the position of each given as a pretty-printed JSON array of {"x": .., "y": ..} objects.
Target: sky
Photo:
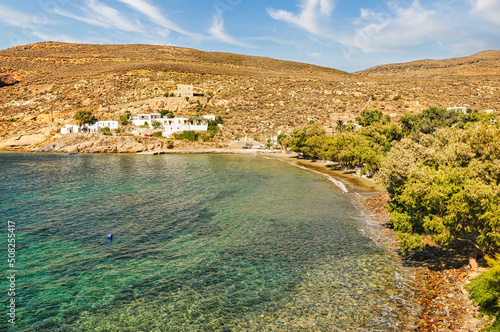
[{"x": 348, "y": 35}]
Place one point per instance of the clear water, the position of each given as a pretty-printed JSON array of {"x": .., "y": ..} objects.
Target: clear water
[{"x": 201, "y": 243}]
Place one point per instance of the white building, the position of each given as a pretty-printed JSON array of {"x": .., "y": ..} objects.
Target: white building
[
  {"x": 145, "y": 119},
  {"x": 458, "y": 109},
  {"x": 70, "y": 129},
  {"x": 173, "y": 125},
  {"x": 179, "y": 125},
  {"x": 95, "y": 127}
]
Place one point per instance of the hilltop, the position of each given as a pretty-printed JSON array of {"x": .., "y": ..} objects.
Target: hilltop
[
  {"x": 482, "y": 65},
  {"x": 43, "y": 84}
]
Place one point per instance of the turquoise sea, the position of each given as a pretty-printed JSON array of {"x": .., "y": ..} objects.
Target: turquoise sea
[{"x": 200, "y": 243}]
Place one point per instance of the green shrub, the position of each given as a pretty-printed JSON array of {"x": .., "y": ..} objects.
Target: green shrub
[
  {"x": 169, "y": 144},
  {"x": 157, "y": 134},
  {"x": 368, "y": 117},
  {"x": 167, "y": 113},
  {"x": 124, "y": 118},
  {"x": 156, "y": 124},
  {"x": 188, "y": 135},
  {"x": 106, "y": 131},
  {"x": 397, "y": 98},
  {"x": 485, "y": 290}
]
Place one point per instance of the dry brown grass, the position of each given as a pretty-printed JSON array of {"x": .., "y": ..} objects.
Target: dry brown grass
[{"x": 256, "y": 96}]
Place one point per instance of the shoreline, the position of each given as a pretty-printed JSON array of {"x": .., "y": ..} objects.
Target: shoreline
[{"x": 441, "y": 302}]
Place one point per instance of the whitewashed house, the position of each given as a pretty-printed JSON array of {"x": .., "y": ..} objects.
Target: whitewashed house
[
  {"x": 145, "y": 119},
  {"x": 179, "y": 125},
  {"x": 70, "y": 129},
  {"x": 95, "y": 127},
  {"x": 173, "y": 125}
]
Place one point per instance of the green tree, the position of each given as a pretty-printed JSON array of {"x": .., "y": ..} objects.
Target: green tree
[
  {"x": 299, "y": 137},
  {"x": 124, "y": 118},
  {"x": 436, "y": 117},
  {"x": 156, "y": 124},
  {"x": 446, "y": 187},
  {"x": 167, "y": 113},
  {"x": 315, "y": 147},
  {"x": 212, "y": 128},
  {"x": 283, "y": 140},
  {"x": 84, "y": 115},
  {"x": 368, "y": 117},
  {"x": 340, "y": 125},
  {"x": 357, "y": 150}
]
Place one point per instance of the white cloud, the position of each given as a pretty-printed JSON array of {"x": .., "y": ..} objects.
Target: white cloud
[
  {"x": 218, "y": 31},
  {"x": 104, "y": 16},
  {"x": 16, "y": 18},
  {"x": 154, "y": 14},
  {"x": 489, "y": 9},
  {"x": 315, "y": 55},
  {"x": 30, "y": 26},
  {"x": 58, "y": 37},
  {"x": 397, "y": 28},
  {"x": 313, "y": 13}
]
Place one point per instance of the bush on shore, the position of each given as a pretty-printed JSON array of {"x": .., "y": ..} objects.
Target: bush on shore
[{"x": 485, "y": 290}]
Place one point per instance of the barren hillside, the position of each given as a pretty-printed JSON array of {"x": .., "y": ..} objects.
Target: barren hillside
[
  {"x": 483, "y": 65},
  {"x": 42, "y": 85}
]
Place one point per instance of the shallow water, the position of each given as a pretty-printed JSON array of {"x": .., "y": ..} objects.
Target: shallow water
[{"x": 202, "y": 242}]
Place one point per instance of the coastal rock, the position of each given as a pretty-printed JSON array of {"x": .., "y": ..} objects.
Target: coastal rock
[
  {"x": 47, "y": 148},
  {"x": 22, "y": 141},
  {"x": 85, "y": 146},
  {"x": 70, "y": 149}
]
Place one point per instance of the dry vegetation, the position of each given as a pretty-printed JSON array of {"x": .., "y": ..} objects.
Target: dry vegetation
[{"x": 256, "y": 96}]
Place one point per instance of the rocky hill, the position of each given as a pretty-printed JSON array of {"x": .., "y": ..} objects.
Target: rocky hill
[
  {"x": 42, "y": 85},
  {"x": 482, "y": 65}
]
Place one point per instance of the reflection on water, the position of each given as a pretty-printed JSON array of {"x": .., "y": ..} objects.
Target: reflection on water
[{"x": 205, "y": 242}]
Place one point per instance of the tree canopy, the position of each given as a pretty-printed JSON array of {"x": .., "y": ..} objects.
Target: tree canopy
[
  {"x": 84, "y": 115},
  {"x": 368, "y": 117},
  {"x": 446, "y": 186},
  {"x": 436, "y": 117}
]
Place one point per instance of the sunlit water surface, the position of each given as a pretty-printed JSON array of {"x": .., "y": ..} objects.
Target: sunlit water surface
[{"x": 200, "y": 243}]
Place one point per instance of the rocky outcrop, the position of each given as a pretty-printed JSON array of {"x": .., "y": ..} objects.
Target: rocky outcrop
[
  {"x": 23, "y": 141},
  {"x": 102, "y": 144},
  {"x": 6, "y": 80}
]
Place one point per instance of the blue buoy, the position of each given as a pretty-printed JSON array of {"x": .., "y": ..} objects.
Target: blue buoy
[{"x": 110, "y": 237}]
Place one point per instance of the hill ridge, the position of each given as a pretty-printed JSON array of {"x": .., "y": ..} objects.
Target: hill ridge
[{"x": 483, "y": 63}]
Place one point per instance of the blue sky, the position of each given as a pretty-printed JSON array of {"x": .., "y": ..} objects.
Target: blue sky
[{"x": 347, "y": 35}]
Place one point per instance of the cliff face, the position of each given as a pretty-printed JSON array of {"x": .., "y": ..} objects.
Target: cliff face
[{"x": 256, "y": 96}]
